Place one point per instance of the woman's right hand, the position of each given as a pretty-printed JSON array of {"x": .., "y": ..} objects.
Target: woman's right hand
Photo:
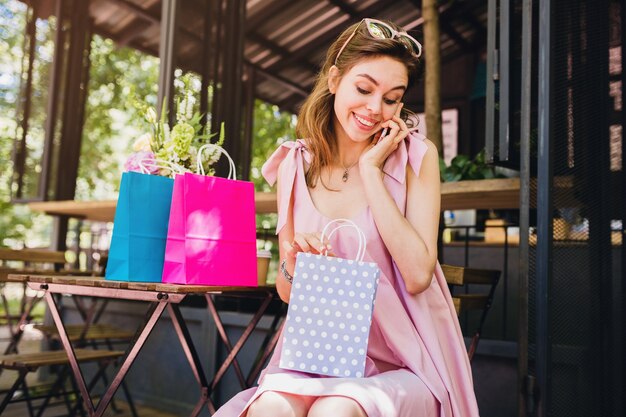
[{"x": 308, "y": 243}]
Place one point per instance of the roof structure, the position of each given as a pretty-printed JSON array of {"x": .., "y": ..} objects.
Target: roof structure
[
  {"x": 285, "y": 40},
  {"x": 242, "y": 50}
]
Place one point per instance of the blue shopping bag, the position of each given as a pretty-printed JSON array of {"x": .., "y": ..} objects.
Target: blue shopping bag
[{"x": 140, "y": 228}]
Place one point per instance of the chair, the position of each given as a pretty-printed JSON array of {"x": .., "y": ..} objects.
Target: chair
[
  {"x": 31, "y": 362},
  {"x": 37, "y": 262},
  {"x": 32, "y": 261},
  {"x": 457, "y": 276},
  {"x": 95, "y": 335}
]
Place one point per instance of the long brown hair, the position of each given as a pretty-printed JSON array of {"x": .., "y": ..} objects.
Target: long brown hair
[{"x": 315, "y": 123}]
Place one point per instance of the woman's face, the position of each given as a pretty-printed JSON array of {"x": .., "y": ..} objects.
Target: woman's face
[{"x": 367, "y": 95}]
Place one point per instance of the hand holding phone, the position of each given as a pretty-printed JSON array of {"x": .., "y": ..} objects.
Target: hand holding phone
[
  {"x": 385, "y": 130},
  {"x": 383, "y": 134}
]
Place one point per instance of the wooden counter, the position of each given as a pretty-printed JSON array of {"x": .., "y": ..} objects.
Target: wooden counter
[
  {"x": 104, "y": 210},
  {"x": 501, "y": 193}
]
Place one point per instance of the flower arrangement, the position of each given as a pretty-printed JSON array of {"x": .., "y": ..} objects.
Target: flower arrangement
[{"x": 165, "y": 150}]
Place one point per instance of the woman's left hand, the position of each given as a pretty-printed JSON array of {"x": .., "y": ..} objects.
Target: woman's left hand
[{"x": 377, "y": 152}]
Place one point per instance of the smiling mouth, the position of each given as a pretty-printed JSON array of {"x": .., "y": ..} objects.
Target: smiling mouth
[{"x": 363, "y": 121}]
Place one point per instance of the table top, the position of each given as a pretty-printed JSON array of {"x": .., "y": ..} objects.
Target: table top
[
  {"x": 497, "y": 193},
  {"x": 500, "y": 193},
  {"x": 104, "y": 210},
  {"x": 99, "y": 282}
]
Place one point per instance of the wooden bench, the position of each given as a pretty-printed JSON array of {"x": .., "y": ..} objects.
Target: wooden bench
[
  {"x": 95, "y": 332},
  {"x": 456, "y": 277},
  {"x": 31, "y": 261},
  {"x": 36, "y": 261},
  {"x": 41, "y": 256},
  {"x": 24, "y": 363},
  {"x": 33, "y": 361}
]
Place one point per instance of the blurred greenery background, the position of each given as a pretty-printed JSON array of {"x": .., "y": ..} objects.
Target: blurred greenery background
[{"x": 119, "y": 76}]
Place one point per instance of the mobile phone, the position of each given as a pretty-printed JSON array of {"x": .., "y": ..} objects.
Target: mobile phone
[
  {"x": 383, "y": 134},
  {"x": 386, "y": 129}
]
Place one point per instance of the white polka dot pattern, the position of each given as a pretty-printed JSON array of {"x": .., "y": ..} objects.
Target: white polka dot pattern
[{"x": 329, "y": 316}]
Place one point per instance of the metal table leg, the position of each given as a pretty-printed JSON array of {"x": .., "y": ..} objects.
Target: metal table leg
[
  {"x": 154, "y": 313},
  {"x": 192, "y": 357},
  {"x": 233, "y": 350}
]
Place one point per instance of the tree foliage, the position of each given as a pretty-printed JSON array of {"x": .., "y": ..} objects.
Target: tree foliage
[
  {"x": 14, "y": 221},
  {"x": 271, "y": 128},
  {"x": 118, "y": 79}
]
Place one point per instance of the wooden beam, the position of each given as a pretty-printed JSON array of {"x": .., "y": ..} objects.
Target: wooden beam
[
  {"x": 167, "y": 58},
  {"x": 115, "y": 38},
  {"x": 296, "y": 88},
  {"x": 346, "y": 8},
  {"x": 279, "y": 50},
  {"x": 52, "y": 108},
  {"x": 327, "y": 37},
  {"x": 137, "y": 10},
  {"x": 274, "y": 7},
  {"x": 268, "y": 11},
  {"x": 133, "y": 31},
  {"x": 454, "y": 35},
  {"x": 469, "y": 17},
  {"x": 417, "y": 4},
  {"x": 72, "y": 101},
  {"x": 443, "y": 10},
  {"x": 153, "y": 17},
  {"x": 291, "y": 103},
  {"x": 248, "y": 117}
]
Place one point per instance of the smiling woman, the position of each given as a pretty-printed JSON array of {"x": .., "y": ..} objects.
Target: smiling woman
[
  {"x": 388, "y": 186},
  {"x": 363, "y": 102}
]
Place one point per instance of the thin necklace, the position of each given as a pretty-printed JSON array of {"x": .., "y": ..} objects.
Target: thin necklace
[{"x": 346, "y": 170}]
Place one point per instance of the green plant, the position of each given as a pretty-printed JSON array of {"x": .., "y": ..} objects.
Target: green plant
[
  {"x": 463, "y": 168},
  {"x": 176, "y": 146}
]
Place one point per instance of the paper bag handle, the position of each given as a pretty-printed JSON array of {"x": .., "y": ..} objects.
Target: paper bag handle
[
  {"x": 159, "y": 163},
  {"x": 347, "y": 223},
  {"x": 232, "y": 173}
]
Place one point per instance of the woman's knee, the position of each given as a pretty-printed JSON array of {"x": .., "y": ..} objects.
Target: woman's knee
[
  {"x": 278, "y": 404},
  {"x": 336, "y": 407}
]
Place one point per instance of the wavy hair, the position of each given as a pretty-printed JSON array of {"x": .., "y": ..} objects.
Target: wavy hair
[{"x": 315, "y": 123}]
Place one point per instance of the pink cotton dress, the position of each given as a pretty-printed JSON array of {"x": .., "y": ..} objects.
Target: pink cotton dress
[{"x": 416, "y": 362}]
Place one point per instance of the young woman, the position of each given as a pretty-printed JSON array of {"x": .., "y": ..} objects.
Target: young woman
[{"x": 358, "y": 160}]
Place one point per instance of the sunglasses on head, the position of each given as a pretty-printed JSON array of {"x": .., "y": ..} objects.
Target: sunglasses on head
[{"x": 381, "y": 30}]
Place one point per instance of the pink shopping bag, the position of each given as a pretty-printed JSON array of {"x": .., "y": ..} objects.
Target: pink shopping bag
[{"x": 211, "y": 236}]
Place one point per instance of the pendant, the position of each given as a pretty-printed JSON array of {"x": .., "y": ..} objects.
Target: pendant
[{"x": 345, "y": 176}]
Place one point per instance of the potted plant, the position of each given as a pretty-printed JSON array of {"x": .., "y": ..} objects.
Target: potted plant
[{"x": 463, "y": 168}]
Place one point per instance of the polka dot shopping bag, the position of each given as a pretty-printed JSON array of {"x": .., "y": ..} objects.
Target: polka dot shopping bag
[{"x": 330, "y": 312}]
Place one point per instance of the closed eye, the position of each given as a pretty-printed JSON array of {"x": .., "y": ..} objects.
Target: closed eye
[{"x": 388, "y": 101}]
